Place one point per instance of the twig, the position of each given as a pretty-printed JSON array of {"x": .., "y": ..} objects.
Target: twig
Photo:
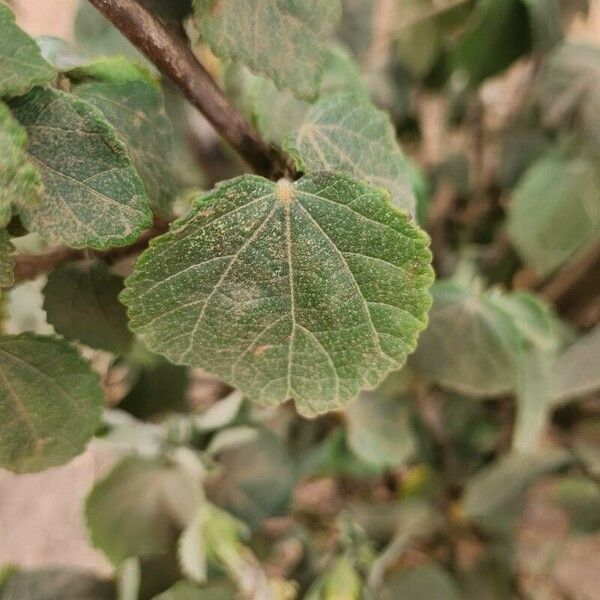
[{"x": 175, "y": 59}]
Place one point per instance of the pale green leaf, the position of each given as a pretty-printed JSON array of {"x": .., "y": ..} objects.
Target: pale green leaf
[
  {"x": 555, "y": 210},
  {"x": 82, "y": 303},
  {"x": 577, "y": 370},
  {"x": 136, "y": 109},
  {"x": 50, "y": 401},
  {"x": 379, "y": 430},
  {"x": 347, "y": 134},
  {"x": 21, "y": 65},
  {"x": 191, "y": 551},
  {"x": 184, "y": 590},
  {"x": 93, "y": 195},
  {"x": 129, "y": 579},
  {"x": 7, "y": 262},
  {"x": 139, "y": 508},
  {"x": 221, "y": 413},
  {"x": 266, "y": 33},
  {"x": 20, "y": 183},
  {"x": 470, "y": 346},
  {"x": 56, "y": 584},
  {"x": 311, "y": 290}
]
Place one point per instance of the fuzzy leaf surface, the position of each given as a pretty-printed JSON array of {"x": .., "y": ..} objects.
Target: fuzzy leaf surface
[
  {"x": 50, "y": 401},
  {"x": 7, "y": 262},
  {"x": 136, "y": 110},
  {"x": 82, "y": 303},
  {"x": 21, "y": 64},
  {"x": 93, "y": 194},
  {"x": 311, "y": 290},
  {"x": 266, "y": 33},
  {"x": 344, "y": 133}
]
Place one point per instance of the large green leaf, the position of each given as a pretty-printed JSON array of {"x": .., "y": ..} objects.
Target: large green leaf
[
  {"x": 21, "y": 65},
  {"x": 20, "y": 183},
  {"x": 93, "y": 195},
  {"x": 136, "y": 109},
  {"x": 347, "y": 134},
  {"x": 139, "y": 508},
  {"x": 56, "y": 584},
  {"x": 266, "y": 33},
  {"x": 555, "y": 210},
  {"x": 309, "y": 290},
  {"x": 82, "y": 303},
  {"x": 50, "y": 401},
  {"x": 7, "y": 262},
  {"x": 470, "y": 346}
]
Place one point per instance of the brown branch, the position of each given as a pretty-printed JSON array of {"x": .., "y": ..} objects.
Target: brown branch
[
  {"x": 175, "y": 59},
  {"x": 30, "y": 266}
]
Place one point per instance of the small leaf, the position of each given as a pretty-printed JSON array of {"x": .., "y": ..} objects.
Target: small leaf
[
  {"x": 139, "y": 508},
  {"x": 56, "y": 584},
  {"x": 82, "y": 303},
  {"x": 21, "y": 65},
  {"x": 20, "y": 183},
  {"x": 221, "y": 413},
  {"x": 343, "y": 133},
  {"x": 135, "y": 107},
  {"x": 264, "y": 34},
  {"x": 545, "y": 19},
  {"x": 7, "y": 262},
  {"x": 50, "y": 401},
  {"x": 93, "y": 195},
  {"x": 460, "y": 322},
  {"x": 555, "y": 210},
  {"x": 576, "y": 372},
  {"x": 310, "y": 290}
]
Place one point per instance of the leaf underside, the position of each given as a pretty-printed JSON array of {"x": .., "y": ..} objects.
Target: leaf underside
[
  {"x": 309, "y": 291},
  {"x": 50, "y": 401},
  {"x": 266, "y": 33},
  {"x": 93, "y": 195},
  {"x": 21, "y": 65},
  {"x": 344, "y": 133}
]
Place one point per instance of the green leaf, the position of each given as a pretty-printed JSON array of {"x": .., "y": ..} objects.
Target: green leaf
[
  {"x": 93, "y": 195},
  {"x": 576, "y": 371},
  {"x": 139, "y": 508},
  {"x": 21, "y": 65},
  {"x": 344, "y": 133},
  {"x": 136, "y": 110},
  {"x": 496, "y": 34},
  {"x": 7, "y": 262},
  {"x": 265, "y": 34},
  {"x": 424, "y": 582},
  {"x": 20, "y": 183},
  {"x": 379, "y": 430},
  {"x": 50, "y": 401},
  {"x": 56, "y": 584},
  {"x": 461, "y": 321},
  {"x": 82, "y": 303},
  {"x": 184, "y": 590},
  {"x": 555, "y": 210},
  {"x": 309, "y": 290},
  {"x": 579, "y": 497},
  {"x": 545, "y": 19},
  {"x": 569, "y": 89}
]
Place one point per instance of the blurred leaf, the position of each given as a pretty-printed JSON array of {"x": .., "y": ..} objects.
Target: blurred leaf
[
  {"x": 135, "y": 107},
  {"x": 569, "y": 89},
  {"x": 56, "y": 584},
  {"x": 252, "y": 34},
  {"x": 139, "y": 508},
  {"x": 184, "y": 590},
  {"x": 340, "y": 581},
  {"x": 580, "y": 498},
  {"x": 221, "y": 413},
  {"x": 470, "y": 346},
  {"x": 255, "y": 481},
  {"x": 59, "y": 53},
  {"x": 379, "y": 430},
  {"x": 425, "y": 582},
  {"x": 22, "y": 65},
  {"x": 545, "y": 17},
  {"x": 343, "y": 133},
  {"x": 232, "y": 438},
  {"x": 577, "y": 371},
  {"x": 555, "y": 210},
  {"x": 129, "y": 576},
  {"x": 7, "y": 262},
  {"x": 496, "y": 34},
  {"x": 20, "y": 183},
  {"x": 81, "y": 301},
  {"x": 50, "y": 401}
]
